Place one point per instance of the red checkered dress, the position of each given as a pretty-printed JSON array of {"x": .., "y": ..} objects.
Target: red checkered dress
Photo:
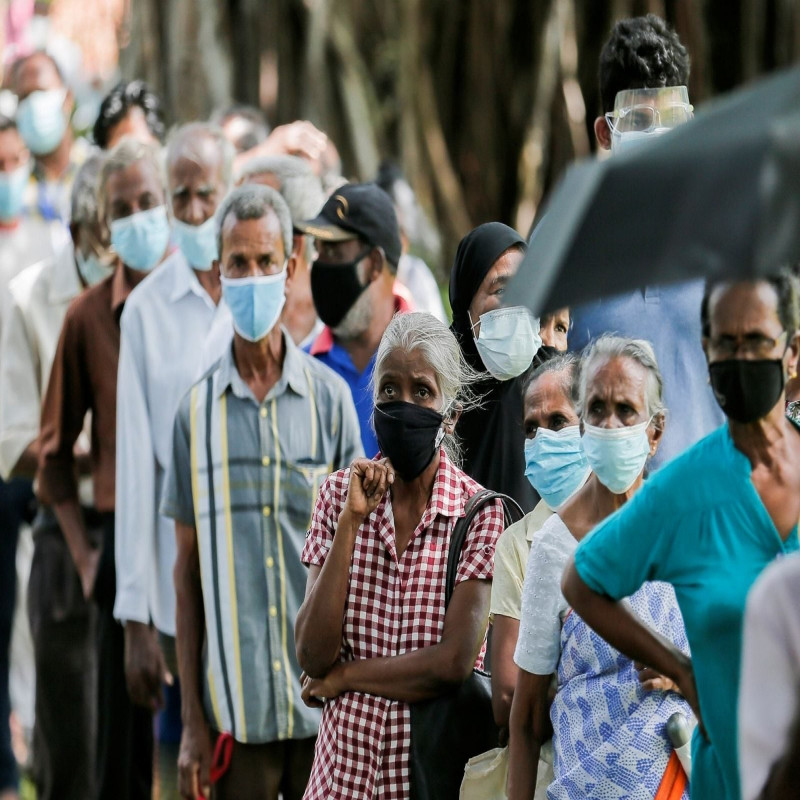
[{"x": 393, "y": 606}]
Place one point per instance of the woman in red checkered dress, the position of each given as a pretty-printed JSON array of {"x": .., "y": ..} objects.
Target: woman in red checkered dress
[{"x": 372, "y": 633}]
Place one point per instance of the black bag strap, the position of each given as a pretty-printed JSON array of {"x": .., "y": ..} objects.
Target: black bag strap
[{"x": 511, "y": 511}]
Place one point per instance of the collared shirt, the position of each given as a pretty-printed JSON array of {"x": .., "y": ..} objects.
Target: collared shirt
[
  {"x": 84, "y": 378},
  {"x": 251, "y": 510},
  {"x": 166, "y": 317},
  {"x": 335, "y": 356},
  {"x": 669, "y": 318},
  {"x": 395, "y": 604},
  {"x": 511, "y": 559},
  {"x": 699, "y": 524},
  {"x": 38, "y": 300}
]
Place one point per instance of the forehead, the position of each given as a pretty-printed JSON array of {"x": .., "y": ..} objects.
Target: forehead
[
  {"x": 253, "y": 236},
  {"x": 616, "y": 377},
  {"x": 195, "y": 158},
  {"x": 37, "y": 72},
  {"x": 506, "y": 265},
  {"x": 741, "y": 307},
  {"x": 141, "y": 176},
  {"x": 265, "y": 179},
  {"x": 548, "y": 389},
  {"x": 412, "y": 364}
]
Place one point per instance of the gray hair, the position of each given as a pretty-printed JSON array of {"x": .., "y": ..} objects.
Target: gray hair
[
  {"x": 421, "y": 332},
  {"x": 128, "y": 152},
  {"x": 566, "y": 365},
  {"x": 253, "y": 201},
  {"x": 181, "y": 142},
  {"x": 608, "y": 347},
  {"x": 83, "y": 199}
]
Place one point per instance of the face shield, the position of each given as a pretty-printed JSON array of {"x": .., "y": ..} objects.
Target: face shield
[{"x": 640, "y": 115}]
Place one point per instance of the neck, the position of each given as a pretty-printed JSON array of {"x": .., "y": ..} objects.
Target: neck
[
  {"x": 759, "y": 440},
  {"x": 260, "y": 363},
  {"x": 210, "y": 282},
  {"x": 55, "y": 164},
  {"x": 361, "y": 348},
  {"x": 592, "y": 504},
  {"x": 418, "y": 491},
  {"x": 134, "y": 277}
]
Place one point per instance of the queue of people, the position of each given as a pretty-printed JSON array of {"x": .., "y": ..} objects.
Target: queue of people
[{"x": 247, "y": 441}]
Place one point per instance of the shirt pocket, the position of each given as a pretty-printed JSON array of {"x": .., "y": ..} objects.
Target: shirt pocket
[{"x": 303, "y": 480}]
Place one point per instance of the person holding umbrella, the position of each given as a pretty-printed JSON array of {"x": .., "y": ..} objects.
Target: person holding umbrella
[{"x": 709, "y": 522}]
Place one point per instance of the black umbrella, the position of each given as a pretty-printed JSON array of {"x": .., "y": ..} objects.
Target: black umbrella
[{"x": 717, "y": 197}]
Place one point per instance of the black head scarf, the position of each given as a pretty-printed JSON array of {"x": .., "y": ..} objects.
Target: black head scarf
[{"x": 475, "y": 256}]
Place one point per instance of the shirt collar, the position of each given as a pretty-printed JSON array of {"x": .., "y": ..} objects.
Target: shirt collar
[
  {"x": 447, "y": 498},
  {"x": 293, "y": 373},
  {"x": 184, "y": 280},
  {"x": 66, "y": 282}
]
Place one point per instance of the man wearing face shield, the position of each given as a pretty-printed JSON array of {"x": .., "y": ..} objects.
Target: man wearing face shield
[
  {"x": 644, "y": 69},
  {"x": 43, "y": 116},
  {"x": 165, "y": 320},
  {"x": 354, "y": 288},
  {"x": 252, "y": 442},
  {"x": 62, "y": 621}
]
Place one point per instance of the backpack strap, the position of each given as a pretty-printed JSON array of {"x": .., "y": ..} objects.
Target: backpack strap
[{"x": 511, "y": 511}]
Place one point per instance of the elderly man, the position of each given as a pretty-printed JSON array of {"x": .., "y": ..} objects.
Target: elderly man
[
  {"x": 43, "y": 115},
  {"x": 252, "y": 442},
  {"x": 62, "y": 621},
  {"x": 353, "y": 285},
  {"x": 164, "y": 322},
  {"x": 84, "y": 375}
]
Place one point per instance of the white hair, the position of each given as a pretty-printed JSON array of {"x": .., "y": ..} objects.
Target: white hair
[
  {"x": 253, "y": 201},
  {"x": 606, "y": 348},
  {"x": 181, "y": 142},
  {"x": 424, "y": 333},
  {"x": 83, "y": 198},
  {"x": 128, "y": 152}
]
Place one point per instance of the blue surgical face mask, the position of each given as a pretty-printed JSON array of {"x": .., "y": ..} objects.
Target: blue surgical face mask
[
  {"x": 141, "y": 239},
  {"x": 12, "y": 191},
  {"x": 617, "y": 455},
  {"x": 92, "y": 268},
  {"x": 255, "y": 303},
  {"x": 507, "y": 341},
  {"x": 555, "y": 464},
  {"x": 198, "y": 243},
  {"x": 41, "y": 120}
]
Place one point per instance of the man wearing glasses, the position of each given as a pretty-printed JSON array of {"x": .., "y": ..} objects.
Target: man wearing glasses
[{"x": 644, "y": 70}]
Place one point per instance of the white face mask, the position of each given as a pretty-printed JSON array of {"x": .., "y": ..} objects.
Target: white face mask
[
  {"x": 617, "y": 455},
  {"x": 630, "y": 141},
  {"x": 508, "y": 340}
]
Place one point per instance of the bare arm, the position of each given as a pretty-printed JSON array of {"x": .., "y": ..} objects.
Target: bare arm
[
  {"x": 424, "y": 673},
  {"x": 318, "y": 628},
  {"x": 529, "y": 730},
  {"x": 505, "y": 631},
  {"x": 195, "y": 753},
  {"x": 621, "y": 628}
]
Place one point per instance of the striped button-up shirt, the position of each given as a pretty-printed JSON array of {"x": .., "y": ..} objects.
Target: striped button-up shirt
[{"x": 245, "y": 475}]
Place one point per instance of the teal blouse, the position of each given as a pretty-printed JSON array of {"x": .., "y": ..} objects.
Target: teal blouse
[{"x": 699, "y": 524}]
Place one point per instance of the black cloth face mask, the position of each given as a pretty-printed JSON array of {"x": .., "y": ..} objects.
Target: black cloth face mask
[
  {"x": 543, "y": 354},
  {"x": 408, "y": 436},
  {"x": 335, "y": 288},
  {"x": 747, "y": 390}
]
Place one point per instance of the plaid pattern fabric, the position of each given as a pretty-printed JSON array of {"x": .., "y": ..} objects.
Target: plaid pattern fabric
[{"x": 394, "y": 605}]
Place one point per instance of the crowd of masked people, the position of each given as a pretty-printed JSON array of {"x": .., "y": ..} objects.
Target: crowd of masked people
[{"x": 252, "y": 454}]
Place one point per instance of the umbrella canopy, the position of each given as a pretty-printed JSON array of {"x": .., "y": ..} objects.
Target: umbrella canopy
[{"x": 718, "y": 197}]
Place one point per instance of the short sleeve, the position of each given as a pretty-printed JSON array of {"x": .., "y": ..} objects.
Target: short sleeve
[
  {"x": 323, "y": 523},
  {"x": 539, "y": 641},
  {"x": 626, "y": 549},
  {"x": 509, "y": 574},
  {"x": 178, "y": 499},
  {"x": 477, "y": 555}
]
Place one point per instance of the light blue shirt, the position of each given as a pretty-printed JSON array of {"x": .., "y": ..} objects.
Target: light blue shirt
[
  {"x": 163, "y": 329},
  {"x": 669, "y": 318},
  {"x": 700, "y": 525}
]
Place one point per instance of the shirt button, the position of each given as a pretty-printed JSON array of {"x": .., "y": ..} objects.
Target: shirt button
[
  {"x": 263, "y": 412},
  {"x": 265, "y": 461},
  {"x": 276, "y": 665},
  {"x": 270, "y": 562},
  {"x": 273, "y": 612},
  {"x": 266, "y": 511}
]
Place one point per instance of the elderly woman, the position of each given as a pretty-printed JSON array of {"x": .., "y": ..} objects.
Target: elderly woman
[
  {"x": 373, "y": 633},
  {"x": 710, "y": 521},
  {"x": 500, "y": 344},
  {"x": 608, "y": 727}
]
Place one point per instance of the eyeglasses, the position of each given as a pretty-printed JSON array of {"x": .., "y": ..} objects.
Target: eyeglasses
[
  {"x": 646, "y": 118},
  {"x": 753, "y": 345}
]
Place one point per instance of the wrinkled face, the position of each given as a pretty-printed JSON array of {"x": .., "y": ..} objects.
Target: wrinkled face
[
  {"x": 133, "y": 125},
  {"x": 547, "y": 405},
  {"x": 136, "y": 188},
  {"x": 252, "y": 247},
  {"x": 554, "y": 329},
  {"x": 492, "y": 289},
  {"x": 13, "y": 153},
  {"x": 410, "y": 378},
  {"x": 195, "y": 180}
]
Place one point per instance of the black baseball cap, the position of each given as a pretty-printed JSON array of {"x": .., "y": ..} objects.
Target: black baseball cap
[{"x": 358, "y": 210}]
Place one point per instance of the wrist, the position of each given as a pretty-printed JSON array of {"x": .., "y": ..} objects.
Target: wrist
[
  {"x": 350, "y": 521},
  {"x": 193, "y": 716}
]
